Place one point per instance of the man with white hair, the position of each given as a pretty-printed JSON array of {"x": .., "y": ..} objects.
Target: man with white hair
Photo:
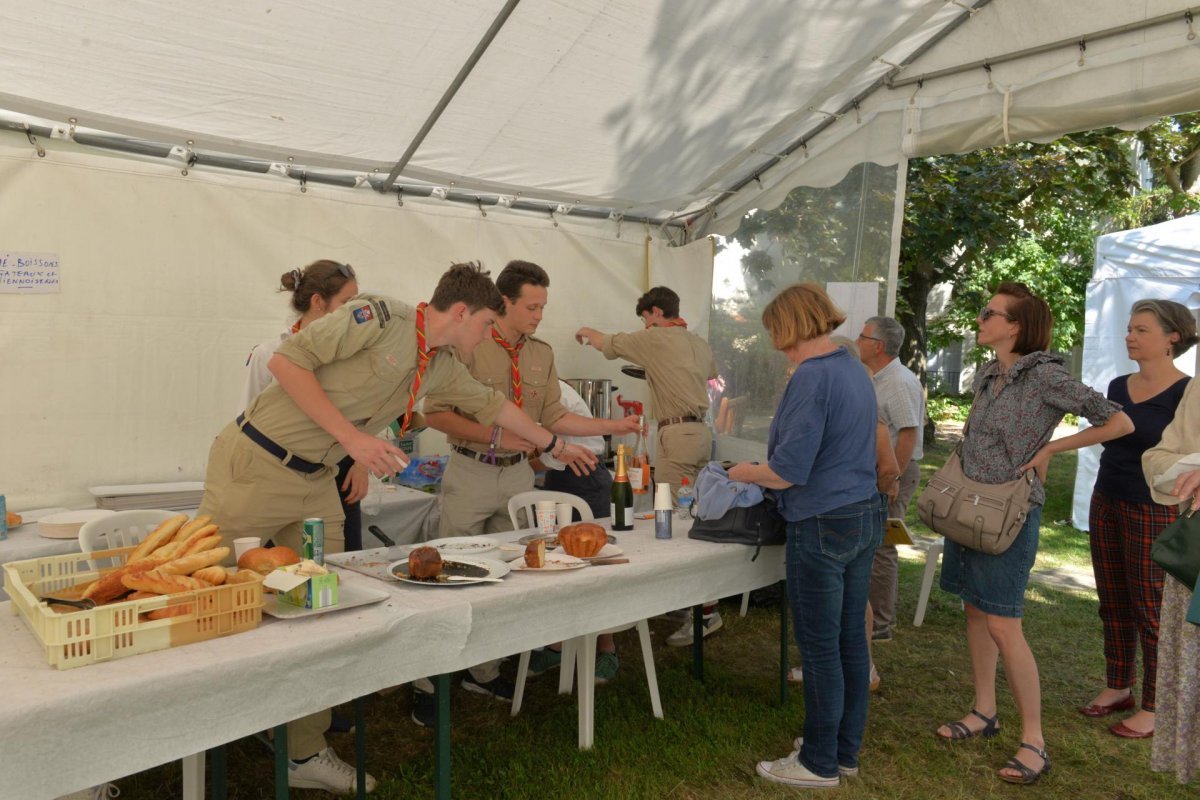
[{"x": 901, "y": 402}]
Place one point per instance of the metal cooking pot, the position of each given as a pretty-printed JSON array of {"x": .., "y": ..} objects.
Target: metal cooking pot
[{"x": 596, "y": 392}]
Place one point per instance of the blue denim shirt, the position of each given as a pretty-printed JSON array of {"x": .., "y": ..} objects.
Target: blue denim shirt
[{"x": 822, "y": 437}]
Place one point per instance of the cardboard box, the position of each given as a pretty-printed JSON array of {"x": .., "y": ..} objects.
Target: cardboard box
[{"x": 318, "y": 591}]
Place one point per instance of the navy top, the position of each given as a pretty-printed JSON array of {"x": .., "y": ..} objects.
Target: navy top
[
  {"x": 1120, "y": 474},
  {"x": 822, "y": 437}
]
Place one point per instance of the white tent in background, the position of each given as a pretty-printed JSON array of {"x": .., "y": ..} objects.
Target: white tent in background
[{"x": 1156, "y": 262}]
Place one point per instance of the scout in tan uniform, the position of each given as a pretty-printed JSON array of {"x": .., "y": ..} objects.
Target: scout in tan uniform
[
  {"x": 484, "y": 472},
  {"x": 351, "y": 372},
  {"x": 678, "y": 366},
  {"x": 489, "y": 466}
]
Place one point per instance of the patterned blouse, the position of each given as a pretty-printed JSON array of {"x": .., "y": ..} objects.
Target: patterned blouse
[{"x": 1014, "y": 416}]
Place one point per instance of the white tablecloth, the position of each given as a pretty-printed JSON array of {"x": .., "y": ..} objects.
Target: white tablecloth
[{"x": 61, "y": 731}]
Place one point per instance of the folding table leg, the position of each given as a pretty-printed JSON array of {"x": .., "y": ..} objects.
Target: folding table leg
[
  {"x": 783, "y": 643},
  {"x": 360, "y": 747},
  {"x": 193, "y": 776},
  {"x": 281, "y": 765},
  {"x": 441, "y": 730},
  {"x": 585, "y": 664},
  {"x": 216, "y": 757},
  {"x": 698, "y": 642}
]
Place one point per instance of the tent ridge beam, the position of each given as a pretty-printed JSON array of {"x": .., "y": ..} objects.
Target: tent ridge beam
[
  {"x": 450, "y": 92},
  {"x": 1075, "y": 41}
]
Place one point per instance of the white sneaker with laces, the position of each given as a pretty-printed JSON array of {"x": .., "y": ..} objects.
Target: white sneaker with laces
[
  {"x": 683, "y": 637},
  {"x": 325, "y": 771},
  {"x": 845, "y": 772},
  {"x": 101, "y": 792},
  {"x": 791, "y": 772}
]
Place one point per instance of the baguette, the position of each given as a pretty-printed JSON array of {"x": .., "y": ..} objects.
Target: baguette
[
  {"x": 216, "y": 575},
  {"x": 244, "y": 576},
  {"x": 188, "y": 545},
  {"x": 190, "y": 528},
  {"x": 112, "y": 585},
  {"x": 201, "y": 544},
  {"x": 189, "y": 564},
  {"x": 161, "y": 583},
  {"x": 159, "y": 536},
  {"x": 169, "y": 551}
]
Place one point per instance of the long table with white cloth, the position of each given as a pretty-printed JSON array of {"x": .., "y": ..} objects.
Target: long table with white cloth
[{"x": 64, "y": 730}]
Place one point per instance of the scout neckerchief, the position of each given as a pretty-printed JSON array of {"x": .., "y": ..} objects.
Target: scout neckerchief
[
  {"x": 423, "y": 356},
  {"x": 514, "y": 353},
  {"x": 295, "y": 327},
  {"x": 677, "y": 322}
]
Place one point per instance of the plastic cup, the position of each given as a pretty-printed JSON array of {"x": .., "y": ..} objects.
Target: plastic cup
[
  {"x": 662, "y": 497},
  {"x": 544, "y": 510},
  {"x": 240, "y": 546},
  {"x": 564, "y": 513}
]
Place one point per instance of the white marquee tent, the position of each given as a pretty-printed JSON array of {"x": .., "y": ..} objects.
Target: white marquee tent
[
  {"x": 1159, "y": 262},
  {"x": 174, "y": 158}
]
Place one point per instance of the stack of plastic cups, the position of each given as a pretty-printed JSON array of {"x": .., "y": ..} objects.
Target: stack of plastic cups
[{"x": 664, "y": 510}]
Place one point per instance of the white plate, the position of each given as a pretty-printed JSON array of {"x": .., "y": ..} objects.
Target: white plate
[
  {"x": 66, "y": 524},
  {"x": 609, "y": 551},
  {"x": 511, "y": 550},
  {"x": 464, "y": 545},
  {"x": 467, "y": 566},
  {"x": 555, "y": 562},
  {"x": 349, "y": 596}
]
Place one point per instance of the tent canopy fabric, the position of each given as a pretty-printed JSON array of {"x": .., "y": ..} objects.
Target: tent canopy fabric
[
  {"x": 1161, "y": 262},
  {"x": 664, "y": 110}
]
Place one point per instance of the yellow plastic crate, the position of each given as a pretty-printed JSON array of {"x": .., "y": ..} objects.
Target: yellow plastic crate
[{"x": 117, "y": 630}]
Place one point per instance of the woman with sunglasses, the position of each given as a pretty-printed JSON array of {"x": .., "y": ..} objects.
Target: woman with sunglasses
[
  {"x": 1124, "y": 519},
  {"x": 320, "y": 288},
  {"x": 1020, "y": 397}
]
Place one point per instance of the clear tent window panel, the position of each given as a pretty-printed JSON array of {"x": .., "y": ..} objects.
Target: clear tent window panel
[{"x": 839, "y": 237}]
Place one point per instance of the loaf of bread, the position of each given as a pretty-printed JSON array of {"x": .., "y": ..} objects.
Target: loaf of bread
[
  {"x": 424, "y": 563},
  {"x": 583, "y": 539},
  {"x": 244, "y": 576},
  {"x": 13, "y": 519},
  {"x": 112, "y": 585},
  {"x": 535, "y": 554},
  {"x": 159, "y": 536},
  {"x": 216, "y": 575},
  {"x": 205, "y": 538},
  {"x": 266, "y": 559},
  {"x": 162, "y": 583},
  {"x": 196, "y": 561},
  {"x": 187, "y": 530}
]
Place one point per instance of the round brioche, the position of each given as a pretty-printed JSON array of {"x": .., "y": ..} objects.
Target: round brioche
[
  {"x": 264, "y": 560},
  {"x": 583, "y": 539},
  {"x": 424, "y": 563}
]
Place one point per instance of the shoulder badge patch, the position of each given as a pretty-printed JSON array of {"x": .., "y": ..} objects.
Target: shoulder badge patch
[{"x": 363, "y": 314}]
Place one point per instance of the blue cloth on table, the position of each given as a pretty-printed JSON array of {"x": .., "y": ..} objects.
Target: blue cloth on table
[{"x": 716, "y": 493}]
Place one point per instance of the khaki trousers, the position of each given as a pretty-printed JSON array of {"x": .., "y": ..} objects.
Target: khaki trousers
[
  {"x": 248, "y": 492},
  {"x": 683, "y": 450},
  {"x": 885, "y": 569}
]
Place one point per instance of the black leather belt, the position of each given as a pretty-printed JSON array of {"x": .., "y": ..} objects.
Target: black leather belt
[
  {"x": 662, "y": 423},
  {"x": 286, "y": 458},
  {"x": 501, "y": 461}
]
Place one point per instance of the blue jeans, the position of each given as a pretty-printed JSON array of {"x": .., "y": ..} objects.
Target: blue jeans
[{"x": 829, "y": 559}]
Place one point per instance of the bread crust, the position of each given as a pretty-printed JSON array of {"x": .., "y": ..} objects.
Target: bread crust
[
  {"x": 162, "y": 583},
  {"x": 196, "y": 561},
  {"x": 159, "y": 536}
]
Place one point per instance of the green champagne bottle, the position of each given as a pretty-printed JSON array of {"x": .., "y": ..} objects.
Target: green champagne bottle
[{"x": 622, "y": 496}]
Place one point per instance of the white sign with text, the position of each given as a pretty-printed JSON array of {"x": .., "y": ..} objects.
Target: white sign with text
[{"x": 28, "y": 273}]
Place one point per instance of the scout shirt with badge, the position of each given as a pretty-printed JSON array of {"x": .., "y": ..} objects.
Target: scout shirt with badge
[
  {"x": 678, "y": 365},
  {"x": 492, "y": 366},
  {"x": 364, "y": 355}
]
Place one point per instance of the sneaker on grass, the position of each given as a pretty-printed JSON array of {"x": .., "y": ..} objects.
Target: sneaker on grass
[
  {"x": 791, "y": 772},
  {"x": 325, "y": 771},
  {"x": 543, "y": 660},
  {"x": 607, "y": 665},
  {"x": 424, "y": 708},
  {"x": 683, "y": 637},
  {"x": 845, "y": 772},
  {"x": 499, "y": 687}
]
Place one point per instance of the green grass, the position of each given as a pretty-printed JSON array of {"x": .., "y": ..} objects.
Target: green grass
[{"x": 715, "y": 731}]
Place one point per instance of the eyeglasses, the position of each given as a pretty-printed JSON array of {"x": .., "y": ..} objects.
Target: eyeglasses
[
  {"x": 988, "y": 313},
  {"x": 346, "y": 270},
  {"x": 872, "y": 338}
]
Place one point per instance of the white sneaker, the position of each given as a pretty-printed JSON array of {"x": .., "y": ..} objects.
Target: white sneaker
[
  {"x": 325, "y": 771},
  {"x": 101, "y": 792},
  {"x": 683, "y": 637},
  {"x": 790, "y": 771},
  {"x": 845, "y": 772}
]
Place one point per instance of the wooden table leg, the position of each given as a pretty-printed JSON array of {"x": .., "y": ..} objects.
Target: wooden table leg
[
  {"x": 698, "y": 642},
  {"x": 281, "y": 762},
  {"x": 220, "y": 786}
]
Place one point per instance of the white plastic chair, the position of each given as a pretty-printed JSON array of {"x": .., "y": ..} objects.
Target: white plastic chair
[
  {"x": 586, "y": 642},
  {"x": 527, "y": 501},
  {"x": 125, "y": 529},
  {"x": 122, "y": 529}
]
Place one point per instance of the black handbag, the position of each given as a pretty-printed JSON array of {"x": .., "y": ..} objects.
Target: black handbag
[
  {"x": 1177, "y": 548},
  {"x": 758, "y": 525}
]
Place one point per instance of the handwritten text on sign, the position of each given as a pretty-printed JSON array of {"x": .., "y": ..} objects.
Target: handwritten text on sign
[{"x": 28, "y": 273}]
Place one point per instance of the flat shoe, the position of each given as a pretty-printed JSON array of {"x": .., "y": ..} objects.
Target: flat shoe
[
  {"x": 1126, "y": 732},
  {"x": 1096, "y": 710}
]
